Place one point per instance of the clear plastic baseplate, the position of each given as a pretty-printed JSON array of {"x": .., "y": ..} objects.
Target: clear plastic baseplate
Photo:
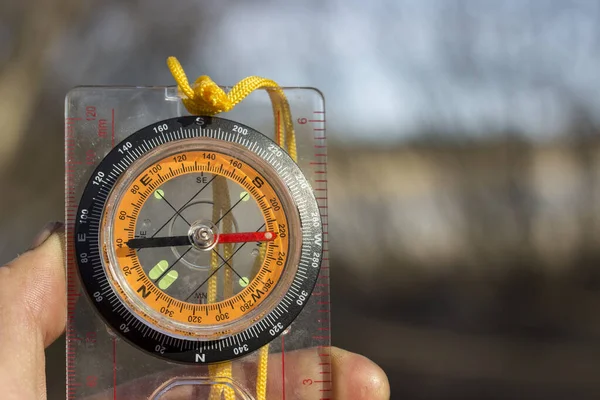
[{"x": 102, "y": 366}]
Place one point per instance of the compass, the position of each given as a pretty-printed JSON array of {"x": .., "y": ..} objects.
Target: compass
[{"x": 198, "y": 239}]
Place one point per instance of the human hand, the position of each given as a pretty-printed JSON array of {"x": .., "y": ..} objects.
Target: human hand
[{"x": 33, "y": 315}]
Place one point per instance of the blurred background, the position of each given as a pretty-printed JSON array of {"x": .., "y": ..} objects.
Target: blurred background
[{"x": 464, "y": 147}]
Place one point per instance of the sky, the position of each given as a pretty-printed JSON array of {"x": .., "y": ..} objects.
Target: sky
[{"x": 389, "y": 69}]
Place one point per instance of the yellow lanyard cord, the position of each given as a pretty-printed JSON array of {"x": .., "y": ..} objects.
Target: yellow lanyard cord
[{"x": 207, "y": 98}]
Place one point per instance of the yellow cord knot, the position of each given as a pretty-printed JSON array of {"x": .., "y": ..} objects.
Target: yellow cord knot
[
  {"x": 206, "y": 97},
  {"x": 206, "y": 91}
]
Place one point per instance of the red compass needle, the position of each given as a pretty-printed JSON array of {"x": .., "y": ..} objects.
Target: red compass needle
[{"x": 246, "y": 237}]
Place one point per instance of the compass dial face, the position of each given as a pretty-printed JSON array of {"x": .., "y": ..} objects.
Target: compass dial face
[{"x": 198, "y": 239}]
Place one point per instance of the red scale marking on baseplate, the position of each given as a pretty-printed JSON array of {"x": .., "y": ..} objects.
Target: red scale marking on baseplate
[
  {"x": 323, "y": 331},
  {"x": 72, "y": 294},
  {"x": 72, "y": 287}
]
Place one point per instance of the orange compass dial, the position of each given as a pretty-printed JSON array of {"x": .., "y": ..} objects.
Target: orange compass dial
[{"x": 180, "y": 290}]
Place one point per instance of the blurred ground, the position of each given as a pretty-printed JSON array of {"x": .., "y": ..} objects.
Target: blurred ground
[{"x": 471, "y": 167}]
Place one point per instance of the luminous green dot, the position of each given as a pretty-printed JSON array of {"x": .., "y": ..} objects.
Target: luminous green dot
[
  {"x": 244, "y": 196},
  {"x": 159, "y": 194},
  {"x": 158, "y": 269},
  {"x": 168, "y": 280},
  {"x": 244, "y": 281}
]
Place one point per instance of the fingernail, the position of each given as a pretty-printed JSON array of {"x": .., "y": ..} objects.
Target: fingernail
[{"x": 46, "y": 232}]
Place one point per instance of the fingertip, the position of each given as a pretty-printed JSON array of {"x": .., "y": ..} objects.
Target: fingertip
[
  {"x": 357, "y": 377},
  {"x": 376, "y": 383},
  {"x": 35, "y": 288},
  {"x": 46, "y": 232},
  {"x": 55, "y": 304}
]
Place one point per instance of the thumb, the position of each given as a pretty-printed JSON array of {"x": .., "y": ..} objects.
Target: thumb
[{"x": 32, "y": 314}]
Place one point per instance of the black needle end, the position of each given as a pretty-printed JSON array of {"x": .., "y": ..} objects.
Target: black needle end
[{"x": 169, "y": 241}]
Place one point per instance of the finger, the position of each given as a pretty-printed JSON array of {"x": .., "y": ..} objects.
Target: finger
[
  {"x": 356, "y": 377},
  {"x": 32, "y": 314}
]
